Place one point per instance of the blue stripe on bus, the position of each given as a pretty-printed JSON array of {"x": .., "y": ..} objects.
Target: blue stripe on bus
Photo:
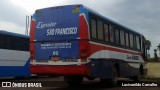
[{"x": 14, "y": 71}]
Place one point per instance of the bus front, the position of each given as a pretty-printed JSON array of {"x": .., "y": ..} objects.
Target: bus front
[{"x": 55, "y": 41}]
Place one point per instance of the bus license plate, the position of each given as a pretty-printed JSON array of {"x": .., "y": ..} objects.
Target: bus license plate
[{"x": 55, "y": 59}]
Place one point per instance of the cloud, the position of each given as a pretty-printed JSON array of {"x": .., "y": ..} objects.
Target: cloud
[
  {"x": 11, "y": 27},
  {"x": 12, "y": 16},
  {"x": 140, "y": 15}
]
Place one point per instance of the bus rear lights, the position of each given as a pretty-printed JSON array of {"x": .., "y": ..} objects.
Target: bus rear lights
[
  {"x": 83, "y": 60},
  {"x": 32, "y": 55},
  {"x": 83, "y": 55}
]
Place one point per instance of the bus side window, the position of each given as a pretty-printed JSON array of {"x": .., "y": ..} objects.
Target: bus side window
[
  {"x": 131, "y": 40},
  {"x": 117, "y": 37},
  {"x": 8, "y": 42},
  {"x": 111, "y": 33},
  {"x": 100, "y": 30},
  {"x": 127, "y": 39},
  {"x": 93, "y": 29},
  {"x": 144, "y": 50},
  {"x": 134, "y": 42},
  {"x": 138, "y": 42},
  {"x": 122, "y": 39},
  {"x": 106, "y": 31},
  {"x": 2, "y": 44}
]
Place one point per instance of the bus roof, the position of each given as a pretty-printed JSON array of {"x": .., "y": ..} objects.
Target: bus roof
[{"x": 13, "y": 34}]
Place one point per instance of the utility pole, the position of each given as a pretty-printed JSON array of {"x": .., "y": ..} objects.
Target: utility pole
[{"x": 27, "y": 25}]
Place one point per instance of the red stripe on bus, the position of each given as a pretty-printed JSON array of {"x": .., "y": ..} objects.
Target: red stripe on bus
[
  {"x": 32, "y": 36},
  {"x": 94, "y": 48},
  {"x": 83, "y": 27}
]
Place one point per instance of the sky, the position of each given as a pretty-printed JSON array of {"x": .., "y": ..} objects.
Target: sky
[{"x": 140, "y": 15}]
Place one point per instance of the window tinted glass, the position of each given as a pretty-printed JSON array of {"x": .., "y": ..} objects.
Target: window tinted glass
[
  {"x": 111, "y": 33},
  {"x": 122, "y": 41},
  {"x": 14, "y": 43},
  {"x": 134, "y": 42},
  {"x": 106, "y": 28},
  {"x": 117, "y": 36},
  {"x": 100, "y": 30},
  {"x": 2, "y": 41},
  {"x": 131, "y": 40},
  {"x": 138, "y": 42},
  {"x": 93, "y": 28},
  {"x": 127, "y": 39}
]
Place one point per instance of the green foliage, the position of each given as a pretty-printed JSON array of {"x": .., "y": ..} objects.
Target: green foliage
[{"x": 156, "y": 60}]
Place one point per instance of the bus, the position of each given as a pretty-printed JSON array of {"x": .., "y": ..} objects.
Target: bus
[
  {"x": 14, "y": 55},
  {"x": 75, "y": 41}
]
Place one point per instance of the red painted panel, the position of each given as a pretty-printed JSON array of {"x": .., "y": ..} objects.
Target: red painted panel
[{"x": 60, "y": 70}]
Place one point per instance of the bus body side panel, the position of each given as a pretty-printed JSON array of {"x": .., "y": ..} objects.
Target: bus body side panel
[
  {"x": 104, "y": 58},
  {"x": 14, "y": 63},
  {"x": 15, "y": 71},
  {"x": 84, "y": 35},
  {"x": 100, "y": 68}
]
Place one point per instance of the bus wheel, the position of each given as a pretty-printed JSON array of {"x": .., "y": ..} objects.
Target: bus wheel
[
  {"x": 137, "y": 78},
  {"x": 112, "y": 81},
  {"x": 73, "y": 80}
]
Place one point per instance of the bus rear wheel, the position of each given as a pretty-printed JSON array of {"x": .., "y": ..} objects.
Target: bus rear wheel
[
  {"x": 137, "y": 78},
  {"x": 73, "y": 80},
  {"x": 113, "y": 80}
]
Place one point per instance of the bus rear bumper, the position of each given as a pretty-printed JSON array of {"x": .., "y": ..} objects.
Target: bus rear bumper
[{"x": 60, "y": 70}]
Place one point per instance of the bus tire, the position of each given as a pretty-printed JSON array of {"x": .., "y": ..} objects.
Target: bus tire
[
  {"x": 138, "y": 77},
  {"x": 73, "y": 80},
  {"x": 113, "y": 80}
]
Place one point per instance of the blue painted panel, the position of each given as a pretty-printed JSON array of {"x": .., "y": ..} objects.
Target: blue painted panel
[
  {"x": 15, "y": 71},
  {"x": 64, "y": 50},
  {"x": 100, "y": 68},
  {"x": 57, "y": 23}
]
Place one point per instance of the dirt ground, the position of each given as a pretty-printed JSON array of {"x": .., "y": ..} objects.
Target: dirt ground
[{"x": 153, "y": 70}]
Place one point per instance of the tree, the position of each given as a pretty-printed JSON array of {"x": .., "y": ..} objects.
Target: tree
[
  {"x": 155, "y": 54},
  {"x": 148, "y": 45},
  {"x": 158, "y": 47}
]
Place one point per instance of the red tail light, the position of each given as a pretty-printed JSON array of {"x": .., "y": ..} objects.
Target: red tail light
[
  {"x": 31, "y": 56},
  {"x": 83, "y": 55}
]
